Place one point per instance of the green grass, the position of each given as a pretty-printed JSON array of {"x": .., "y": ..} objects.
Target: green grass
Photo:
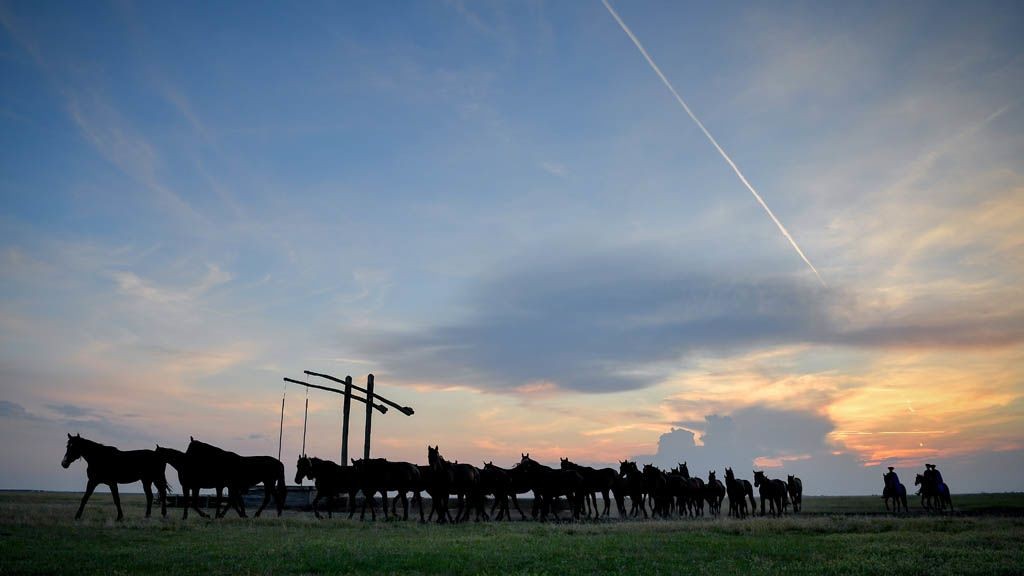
[{"x": 37, "y": 536}]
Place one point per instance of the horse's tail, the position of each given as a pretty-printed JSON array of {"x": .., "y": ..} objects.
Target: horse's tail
[{"x": 163, "y": 485}]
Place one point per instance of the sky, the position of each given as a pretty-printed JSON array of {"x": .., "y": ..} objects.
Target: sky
[{"x": 500, "y": 211}]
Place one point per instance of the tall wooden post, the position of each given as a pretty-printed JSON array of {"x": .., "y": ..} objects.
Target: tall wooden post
[
  {"x": 344, "y": 420},
  {"x": 369, "y": 415}
]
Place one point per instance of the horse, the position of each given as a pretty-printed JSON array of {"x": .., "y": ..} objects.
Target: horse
[
  {"x": 240, "y": 473},
  {"x": 795, "y": 487},
  {"x": 656, "y": 486},
  {"x": 737, "y": 495},
  {"x": 895, "y": 490},
  {"x": 330, "y": 480},
  {"x": 518, "y": 483},
  {"x": 678, "y": 491},
  {"x": 549, "y": 484},
  {"x": 380, "y": 475},
  {"x": 933, "y": 475},
  {"x": 191, "y": 482},
  {"x": 594, "y": 480},
  {"x": 772, "y": 490},
  {"x": 714, "y": 493},
  {"x": 695, "y": 490},
  {"x": 110, "y": 466},
  {"x": 497, "y": 481},
  {"x": 423, "y": 485},
  {"x": 632, "y": 484},
  {"x": 449, "y": 478},
  {"x": 933, "y": 496}
]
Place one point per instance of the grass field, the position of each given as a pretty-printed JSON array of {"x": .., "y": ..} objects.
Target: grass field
[{"x": 840, "y": 535}]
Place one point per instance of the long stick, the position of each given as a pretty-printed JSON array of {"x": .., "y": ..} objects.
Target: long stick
[
  {"x": 344, "y": 420},
  {"x": 305, "y": 417},
  {"x": 408, "y": 411},
  {"x": 378, "y": 407},
  {"x": 369, "y": 417},
  {"x": 280, "y": 433}
]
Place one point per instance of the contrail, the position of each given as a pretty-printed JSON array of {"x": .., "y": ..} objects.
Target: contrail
[{"x": 714, "y": 142}]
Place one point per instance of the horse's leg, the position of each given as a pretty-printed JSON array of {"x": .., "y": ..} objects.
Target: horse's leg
[
  {"x": 147, "y": 489},
  {"x": 89, "y": 487},
  {"x": 117, "y": 500},
  {"x": 313, "y": 504},
  {"x": 194, "y": 502},
  {"x": 267, "y": 488},
  {"x": 515, "y": 502},
  {"x": 161, "y": 491}
]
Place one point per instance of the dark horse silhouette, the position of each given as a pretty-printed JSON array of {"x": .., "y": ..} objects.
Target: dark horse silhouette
[
  {"x": 934, "y": 493},
  {"x": 331, "y": 480},
  {"x": 449, "y": 478},
  {"x": 110, "y": 466},
  {"x": 632, "y": 484},
  {"x": 518, "y": 483},
  {"x": 657, "y": 489},
  {"x": 772, "y": 490},
  {"x": 379, "y": 475},
  {"x": 191, "y": 481},
  {"x": 594, "y": 480},
  {"x": 695, "y": 491},
  {"x": 714, "y": 493},
  {"x": 895, "y": 490},
  {"x": 498, "y": 482},
  {"x": 738, "y": 490},
  {"x": 549, "y": 484},
  {"x": 795, "y": 487},
  {"x": 239, "y": 473}
]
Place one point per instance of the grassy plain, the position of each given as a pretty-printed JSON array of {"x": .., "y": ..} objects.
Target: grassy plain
[{"x": 842, "y": 535}]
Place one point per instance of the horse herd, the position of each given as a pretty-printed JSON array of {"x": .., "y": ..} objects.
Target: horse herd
[{"x": 652, "y": 492}]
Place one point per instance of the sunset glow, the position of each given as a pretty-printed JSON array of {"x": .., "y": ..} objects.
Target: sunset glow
[{"x": 502, "y": 213}]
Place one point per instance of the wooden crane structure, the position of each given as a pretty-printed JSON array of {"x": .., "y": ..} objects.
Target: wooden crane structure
[{"x": 372, "y": 400}]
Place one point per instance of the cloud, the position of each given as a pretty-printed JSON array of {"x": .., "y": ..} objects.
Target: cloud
[
  {"x": 555, "y": 169},
  {"x": 132, "y": 285},
  {"x": 629, "y": 320},
  {"x": 797, "y": 442},
  {"x": 15, "y": 411}
]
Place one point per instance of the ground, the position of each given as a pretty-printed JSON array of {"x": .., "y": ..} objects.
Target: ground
[{"x": 842, "y": 535}]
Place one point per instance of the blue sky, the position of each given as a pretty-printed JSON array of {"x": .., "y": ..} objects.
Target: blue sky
[{"x": 499, "y": 210}]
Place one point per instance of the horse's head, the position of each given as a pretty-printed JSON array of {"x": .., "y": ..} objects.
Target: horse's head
[
  {"x": 711, "y": 476},
  {"x": 565, "y": 464},
  {"x": 627, "y": 467},
  {"x": 729, "y": 475},
  {"x": 790, "y": 479},
  {"x": 684, "y": 470},
  {"x": 759, "y": 478},
  {"x": 303, "y": 469},
  {"x": 525, "y": 460},
  {"x": 919, "y": 480},
  {"x": 74, "y": 450}
]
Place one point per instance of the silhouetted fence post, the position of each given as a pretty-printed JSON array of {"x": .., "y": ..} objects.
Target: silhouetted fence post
[
  {"x": 344, "y": 420},
  {"x": 369, "y": 417}
]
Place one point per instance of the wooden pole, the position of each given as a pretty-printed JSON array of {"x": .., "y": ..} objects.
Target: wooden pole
[
  {"x": 280, "y": 432},
  {"x": 369, "y": 416},
  {"x": 305, "y": 418},
  {"x": 344, "y": 420}
]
